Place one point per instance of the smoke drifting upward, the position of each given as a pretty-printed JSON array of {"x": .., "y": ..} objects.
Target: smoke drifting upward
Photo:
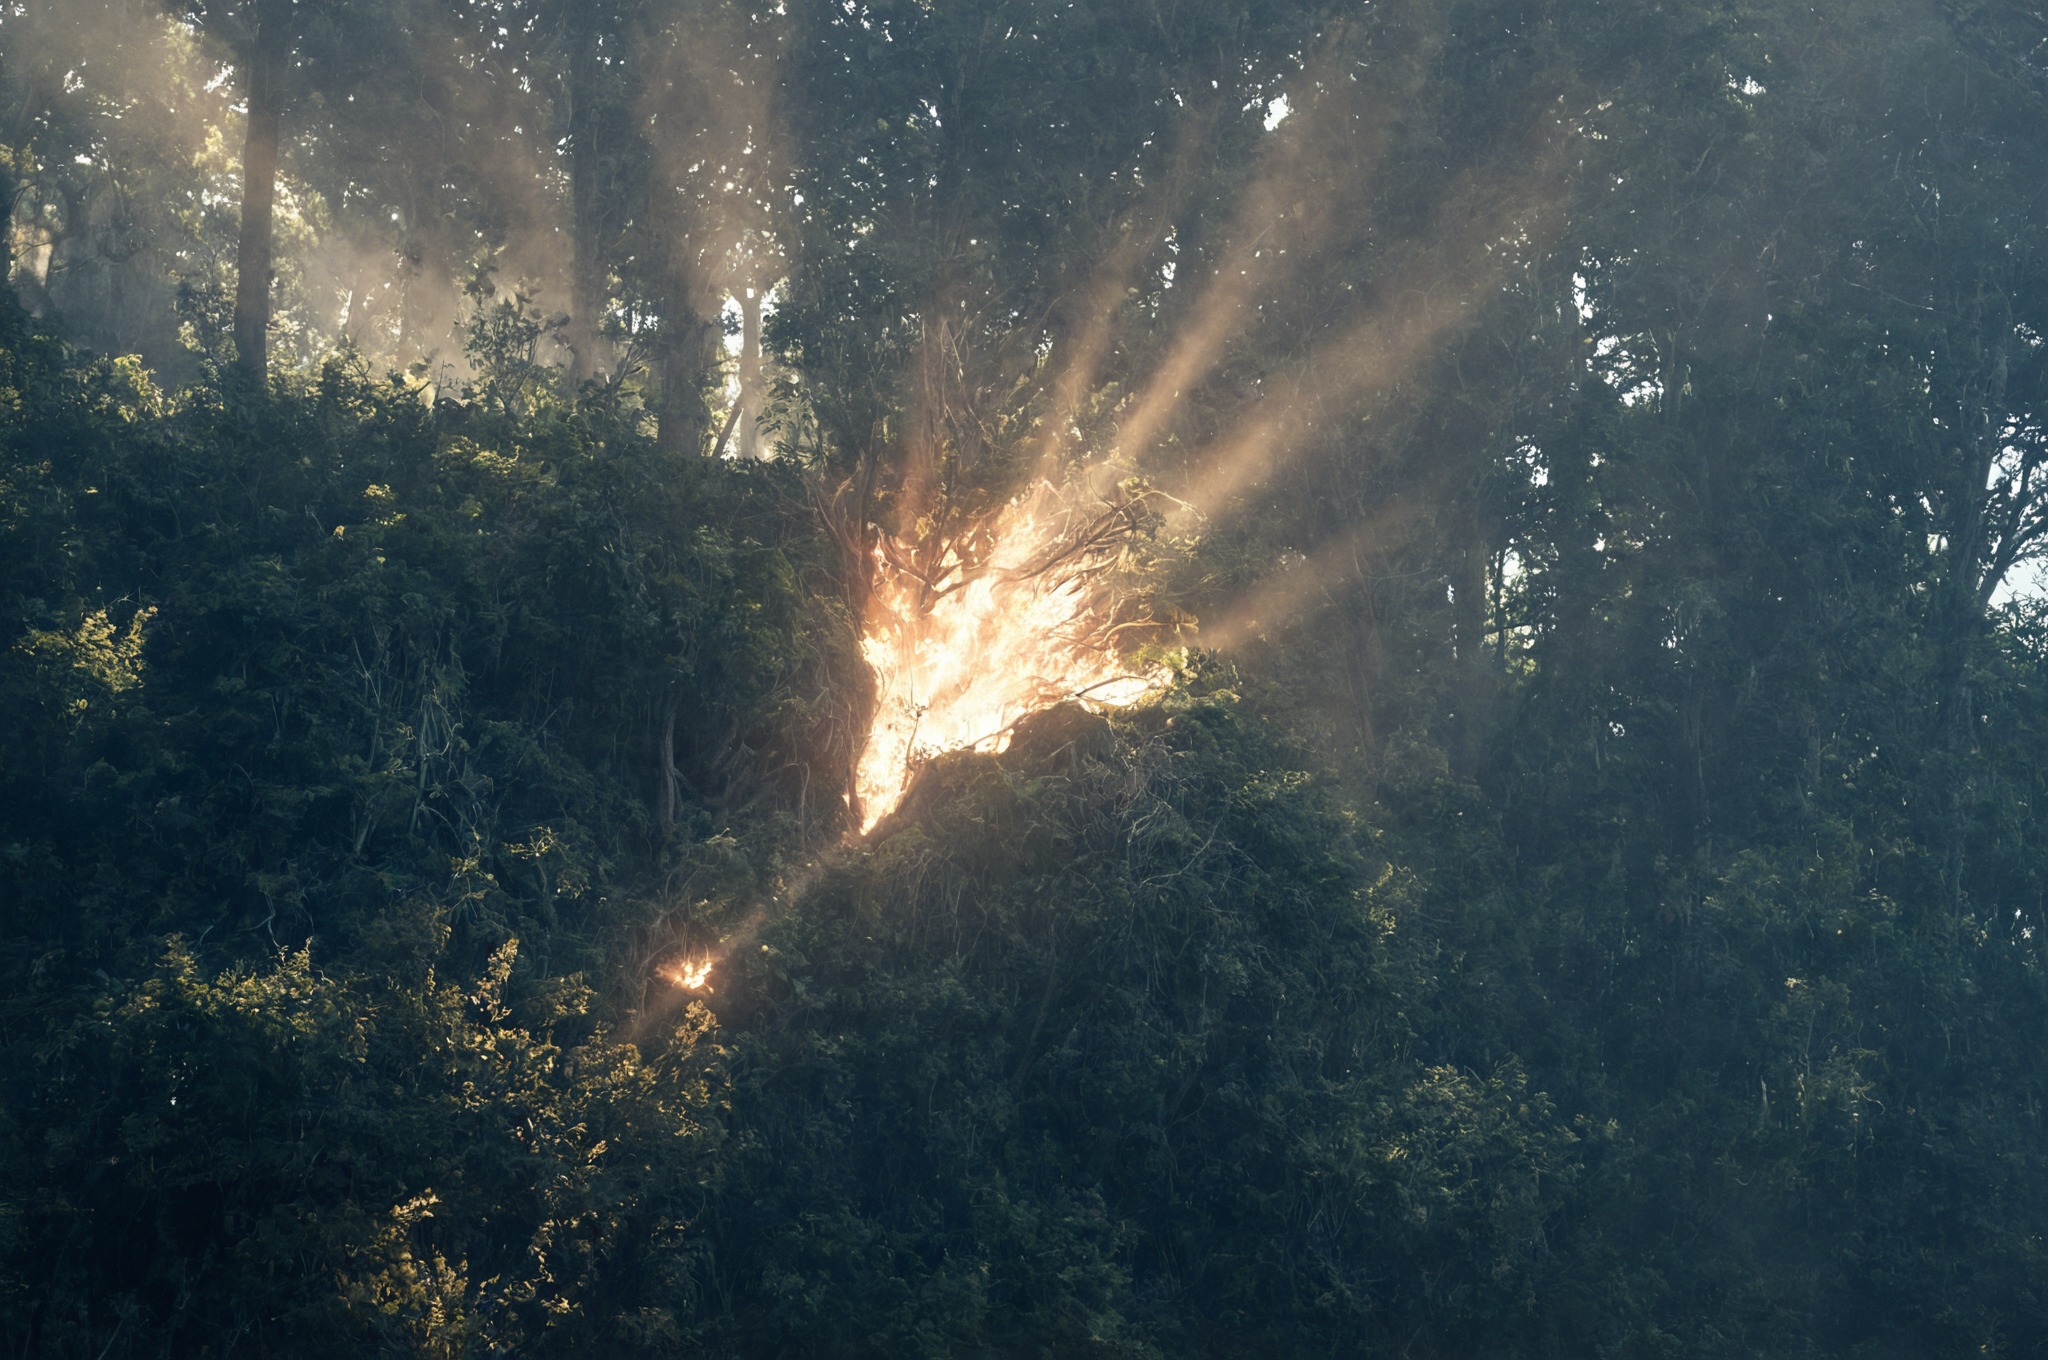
[
  {"x": 414, "y": 156},
  {"x": 720, "y": 153},
  {"x": 1224, "y": 300},
  {"x": 107, "y": 116},
  {"x": 467, "y": 205}
]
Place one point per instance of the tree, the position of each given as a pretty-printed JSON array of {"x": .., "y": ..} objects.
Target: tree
[
  {"x": 264, "y": 52},
  {"x": 115, "y": 229}
]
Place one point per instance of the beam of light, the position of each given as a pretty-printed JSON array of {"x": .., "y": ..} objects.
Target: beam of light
[
  {"x": 1109, "y": 284},
  {"x": 974, "y": 624},
  {"x": 748, "y": 931},
  {"x": 1447, "y": 285},
  {"x": 1367, "y": 360},
  {"x": 1302, "y": 585},
  {"x": 968, "y": 633},
  {"x": 1283, "y": 219}
]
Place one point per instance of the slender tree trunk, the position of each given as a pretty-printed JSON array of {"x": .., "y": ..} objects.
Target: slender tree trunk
[
  {"x": 1473, "y": 523},
  {"x": 1475, "y": 671},
  {"x": 750, "y": 373},
  {"x": 684, "y": 357},
  {"x": 1364, "y": 663},
  {"x": 1961, "y": 627},
  {"x": 259, "y": 196},
  {"x": 35, "y": 97},
  {"x": 46, "y": 257},
  {"x": 671, "y": 778},
  {"x": 589, "y": 353},
  {"x": 9, "y": 188}
]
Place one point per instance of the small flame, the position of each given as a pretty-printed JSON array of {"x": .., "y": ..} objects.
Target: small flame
[
  {"x": 960, "y": 657},
  {"x": 688, "y": 974}
]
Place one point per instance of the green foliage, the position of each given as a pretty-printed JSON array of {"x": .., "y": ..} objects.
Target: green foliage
[
  {"x": 324, "y": 1165},
  {"x": 1118, "y": 1041},
  {"x": 321, "y": 704}
]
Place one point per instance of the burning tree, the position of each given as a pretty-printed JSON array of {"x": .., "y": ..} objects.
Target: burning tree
[{"x": 1017, "y": 613}]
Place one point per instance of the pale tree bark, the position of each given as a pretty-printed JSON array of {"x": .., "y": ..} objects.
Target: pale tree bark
[{"x": 750, "y": 394}]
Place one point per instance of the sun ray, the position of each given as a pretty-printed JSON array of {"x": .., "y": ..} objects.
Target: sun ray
[
  {"x": 1101, "y": 299},
  {"x": 973, "y": 622},
  {"x": 1301, "y": 585},
  {"x": 1284, "y": 218},
  {"x": 1449, "y": 280}
]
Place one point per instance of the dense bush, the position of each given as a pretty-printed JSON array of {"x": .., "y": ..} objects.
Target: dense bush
[
  {"x": 359, "y": 748},
  {"x": 1121, "y": 1041}
]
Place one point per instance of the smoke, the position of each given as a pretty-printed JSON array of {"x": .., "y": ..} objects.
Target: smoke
[
  {"x": 417, "y": 159},
  {"x": 720, "y": 151},
  {"x": 108, "y": 116},
  {"x": 448, "y": 186}
]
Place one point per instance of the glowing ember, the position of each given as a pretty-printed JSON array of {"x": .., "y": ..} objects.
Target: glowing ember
[
  {"x": 960, "y": 658},
  {"x": 690, "y": 975}
]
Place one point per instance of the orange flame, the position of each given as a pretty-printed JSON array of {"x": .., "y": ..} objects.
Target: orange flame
[
  {"x": 960, "y": 656},
  {"x": 688, "y": 974}
]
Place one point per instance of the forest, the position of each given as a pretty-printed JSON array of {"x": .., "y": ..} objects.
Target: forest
[{"x": 1024, "y": 678}]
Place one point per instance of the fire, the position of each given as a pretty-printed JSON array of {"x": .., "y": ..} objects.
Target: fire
[
  {"x": 1017, "y": 623},
  {"x": 690, "y": 975}
]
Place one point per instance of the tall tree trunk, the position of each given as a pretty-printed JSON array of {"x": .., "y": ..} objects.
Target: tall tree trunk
[
  {"x": 1475, "y": 671},
  {"x": 37, "y": 92},
  {"x": 259, "y": 195},
  {"x": 683, "y": 359},
  {"x": 10, "y": 183},
  {"x": 9, "y": 188},
  {"x": 1961, "y": 627},
  {"x": 750, "y": 373},
  {"x": 1467, "y": 440},
  {"x": 588, "y": 351}
]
